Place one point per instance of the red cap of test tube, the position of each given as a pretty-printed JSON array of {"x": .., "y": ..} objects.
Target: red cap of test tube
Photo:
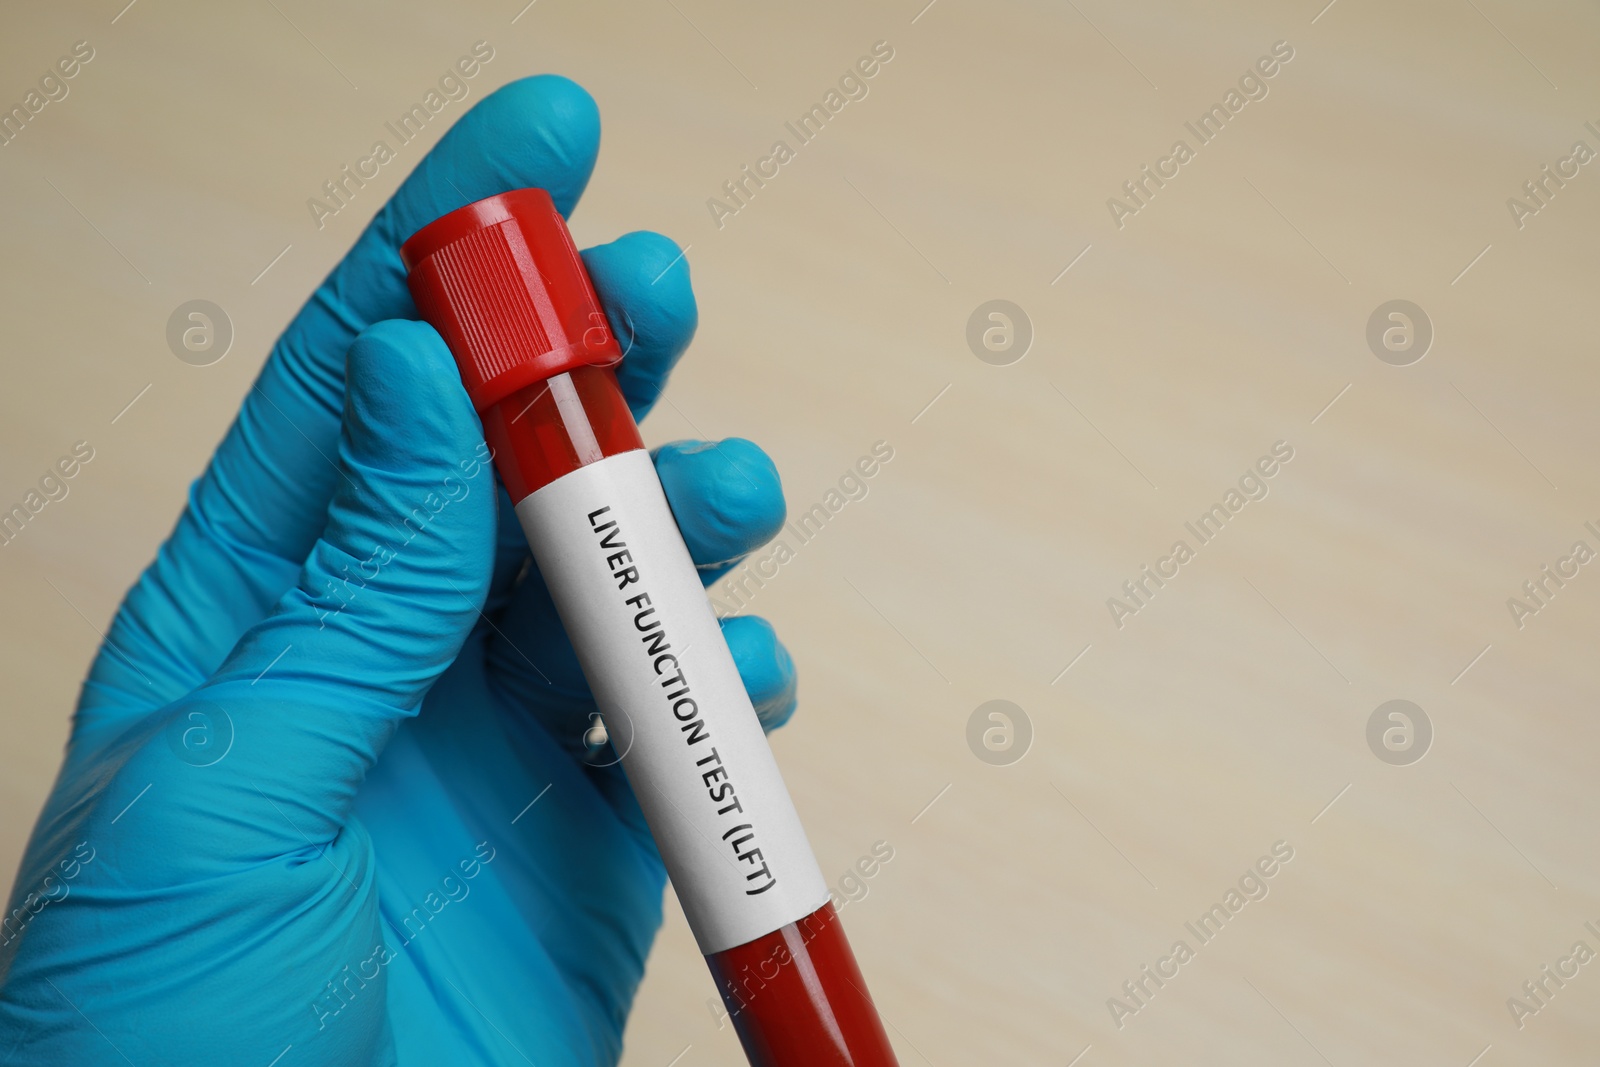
[{"x": 501, "y": 281}]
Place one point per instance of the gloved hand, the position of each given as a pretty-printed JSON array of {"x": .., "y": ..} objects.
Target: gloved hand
[{"x": 327, "y": 798}]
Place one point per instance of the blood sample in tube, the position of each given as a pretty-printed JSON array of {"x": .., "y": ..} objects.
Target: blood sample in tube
[{"x": 502, "y": 282}]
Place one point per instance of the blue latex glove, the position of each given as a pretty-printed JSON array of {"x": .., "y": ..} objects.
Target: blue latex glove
[{"x": 294, "y": 815}]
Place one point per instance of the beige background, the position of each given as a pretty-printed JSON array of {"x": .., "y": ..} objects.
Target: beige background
[{"x": 1222, "y": 318}]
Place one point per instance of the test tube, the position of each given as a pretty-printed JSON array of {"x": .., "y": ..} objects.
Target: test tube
[{"x": 502, "y": 282}]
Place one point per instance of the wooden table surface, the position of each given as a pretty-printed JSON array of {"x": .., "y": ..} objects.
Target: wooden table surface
[{"x": 1219, "y": 313}]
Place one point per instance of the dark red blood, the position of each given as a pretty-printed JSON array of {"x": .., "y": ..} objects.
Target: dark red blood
[
  {"x": 797, "y": 998},
  {"x": 531, "y": 445}
]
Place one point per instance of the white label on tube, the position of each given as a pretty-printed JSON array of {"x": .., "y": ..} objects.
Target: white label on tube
[{"x": 672, "y": 700}]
